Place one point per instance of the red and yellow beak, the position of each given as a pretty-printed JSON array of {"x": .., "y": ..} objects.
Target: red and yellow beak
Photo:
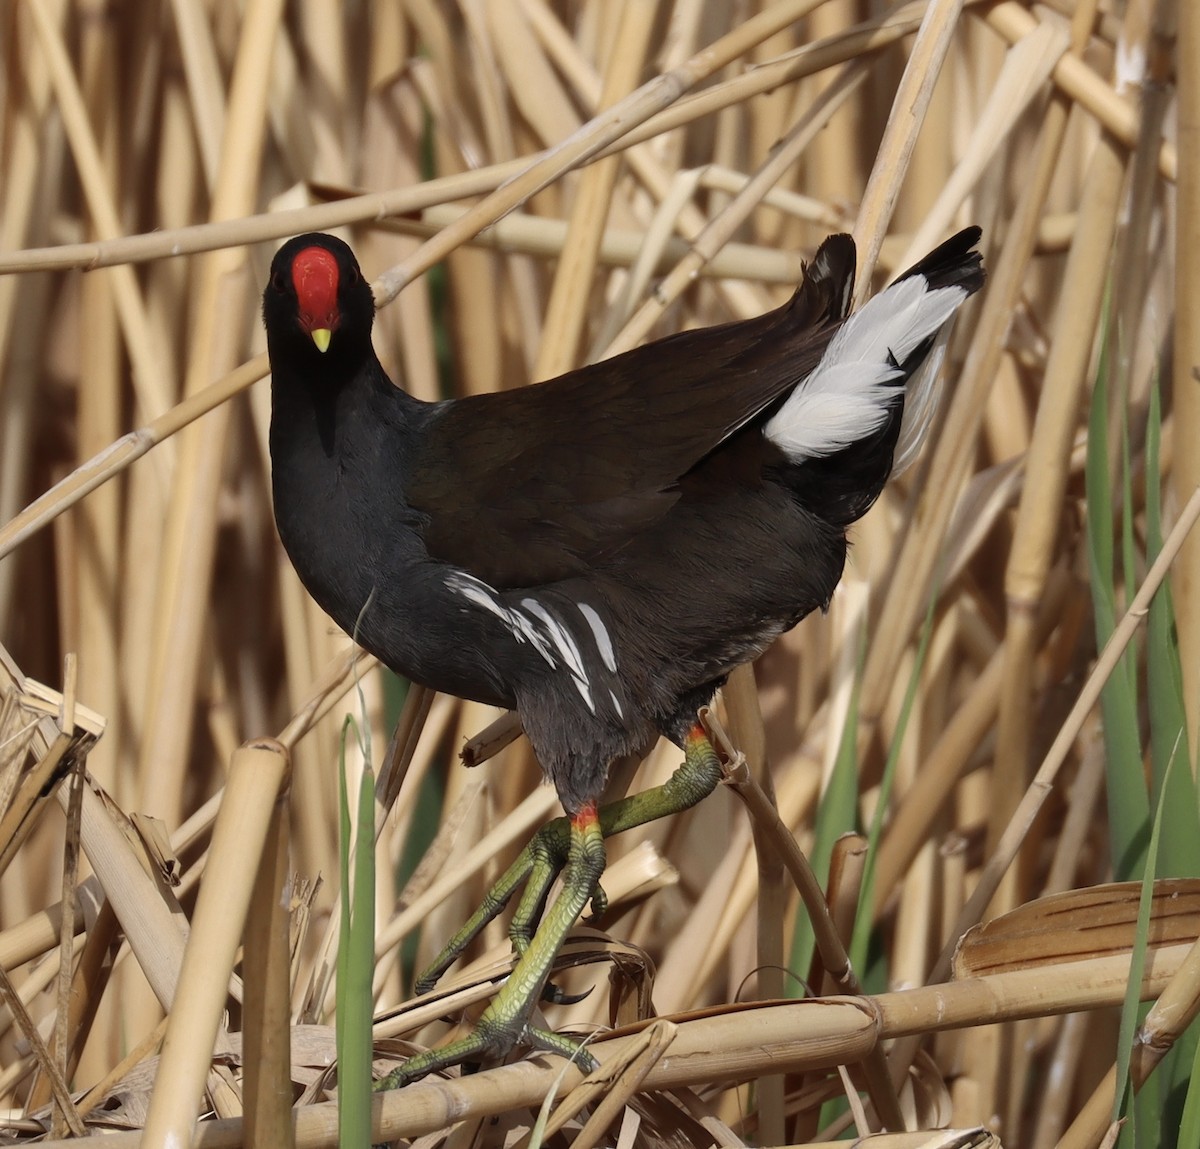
[{"x": 315, "y": 277}]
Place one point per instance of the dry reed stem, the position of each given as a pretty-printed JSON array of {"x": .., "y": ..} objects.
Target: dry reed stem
[
  {"x": 740, "y": 697},
  {"x": 266, "y": 966},
  {"x": 1027, "y": 65},
  {"x": 150, "y": 376},
  {"x": 144, "y": 1049},
  {"x": 19, "y": 225},
  {"x": 78, "y": 999},
  {"x": 257, "y": 775},
  {"x": 566, "y": 306},
  {"x": 599, "y": 133},
  {"x": 1171, "y": 1014},
  {"x": 149, "y": 916},
  {"x": 1039, "y": 787},
  {"x": 918, "y": 552},
  {"x": 766, "y": 822},
  {"x": 1187, "y": 350},
  {"x": 811, "y": 1034},
  {"x": 1080, "y": 84},
  {"x": 532, "y": 235},
  {"x": 611, "y": 1088},
  {"x": 721, "y": 229},
  {"x": 62, "y": 1031},
  {"x": 764, "y": 815},
  {"x": 1039, "y": 515},
  {"x": 847, "y": 865},
  {"x": 933, "y": 786},
  {"x": 65, "y": 1112},
  {"x": 691, "y": 958},
  {"x": 189, "y": 546},
  {"x": 905, "y": 120},
  {"x": 677, "y": 212}
]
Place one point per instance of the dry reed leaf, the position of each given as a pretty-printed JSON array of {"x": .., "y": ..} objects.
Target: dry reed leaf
[
  {"x": 935, "y": 1139},
  {"x": 1079, "y": 924}
]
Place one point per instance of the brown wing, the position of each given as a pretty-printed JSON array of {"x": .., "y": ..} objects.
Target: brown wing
[{"x": 550, "y": 476}]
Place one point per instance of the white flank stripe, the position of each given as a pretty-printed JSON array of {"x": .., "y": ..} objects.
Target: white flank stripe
[
  {"x": 600, "y": 634},
  {"x": 560, "y": 636},
  {"x": 567, "y": 646},
  {"x": 583, "y": 688},
  {"x": 842, "y": 400},
  {"x": 521, "y": 628},
  {"x": 537, "y": 626},
  {"x": 474, "y": 591}
]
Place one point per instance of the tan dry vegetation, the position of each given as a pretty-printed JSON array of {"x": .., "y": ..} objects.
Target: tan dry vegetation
[{"x": 599, "y": 173}]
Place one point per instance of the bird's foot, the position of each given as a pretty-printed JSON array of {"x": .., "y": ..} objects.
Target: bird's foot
[
  {"x": 505, "y": 1023},
  {"x": 486, "y": 1043},
  {"x": 544, "y": 858},
  {"x": 574, "y": 846}
]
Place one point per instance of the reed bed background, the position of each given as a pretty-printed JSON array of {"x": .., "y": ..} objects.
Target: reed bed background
[{"x": 536, "y": 185}]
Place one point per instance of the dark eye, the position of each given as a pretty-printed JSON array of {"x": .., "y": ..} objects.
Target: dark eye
[
  {"x": 277, "y": 282},
  {"x": 353, "y": 277}
]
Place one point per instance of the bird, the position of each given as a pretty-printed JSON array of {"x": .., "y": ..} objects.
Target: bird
[{"x": 562, "y": 549}]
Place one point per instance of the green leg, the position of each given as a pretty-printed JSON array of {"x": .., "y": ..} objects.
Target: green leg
[
  {"x": 541, "y": 861},
  {"x": 535, "y": 867},
  {"x": 695, "y": 779},
  {"x": 506, "y": 1021},
  {"x": 581, "y": 841}
]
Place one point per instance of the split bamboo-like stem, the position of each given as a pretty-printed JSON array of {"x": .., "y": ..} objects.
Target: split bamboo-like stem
[
  {"x": 266, "y": 1032},
  {"x": 257, "y": 776}
]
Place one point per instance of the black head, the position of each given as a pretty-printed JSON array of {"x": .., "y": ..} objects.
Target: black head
[{"x": 317, "y": 306}]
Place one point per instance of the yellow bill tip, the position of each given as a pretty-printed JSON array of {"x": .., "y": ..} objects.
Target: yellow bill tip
[{"x": 321, "y": 337}]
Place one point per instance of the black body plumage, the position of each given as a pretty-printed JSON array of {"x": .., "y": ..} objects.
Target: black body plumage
[{"x": 599, "y": 550}]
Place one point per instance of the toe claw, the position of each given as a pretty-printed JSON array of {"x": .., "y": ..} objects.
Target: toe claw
[{"x": 555, "y": 995}]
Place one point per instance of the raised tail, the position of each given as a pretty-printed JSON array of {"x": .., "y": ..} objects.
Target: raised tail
[{"x": 864, "y": 410}]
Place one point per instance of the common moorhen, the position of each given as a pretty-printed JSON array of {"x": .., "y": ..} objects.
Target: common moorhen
[{"x": 565, "y": 549}]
